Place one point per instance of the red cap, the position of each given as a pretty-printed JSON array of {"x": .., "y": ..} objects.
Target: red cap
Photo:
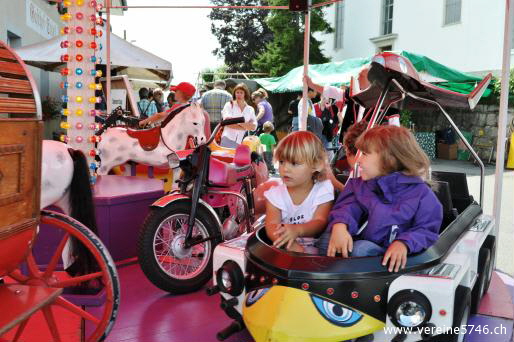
[{"x": 187, "y": 88}]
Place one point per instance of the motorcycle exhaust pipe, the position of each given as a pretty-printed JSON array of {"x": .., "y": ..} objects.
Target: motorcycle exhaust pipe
[{"x": 234, "y": 327}]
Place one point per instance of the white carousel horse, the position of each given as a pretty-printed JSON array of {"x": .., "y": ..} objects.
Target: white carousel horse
[
  {"x": 117, "y": 147},
  {"x": 65, "y": 183}
]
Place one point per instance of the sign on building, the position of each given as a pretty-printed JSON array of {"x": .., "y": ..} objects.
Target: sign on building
[{"x": 39, "y": 21}]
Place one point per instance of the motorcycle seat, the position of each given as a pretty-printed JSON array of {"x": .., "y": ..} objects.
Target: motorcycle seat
[{"x": 227, "y": 174}]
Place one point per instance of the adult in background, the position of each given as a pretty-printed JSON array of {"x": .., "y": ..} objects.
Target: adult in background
[
  {"x": 214, "y": 100},
  {"x": 240, "y": 106},
  {"x": 158, "y": 97},
  {"x": 264, "y": 109},
  {"x": 171, "y": 99},
  {"x": 146, "y": 107},
  {"x": 292, "y": 109}
]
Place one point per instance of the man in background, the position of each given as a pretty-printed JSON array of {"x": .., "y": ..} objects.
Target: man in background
[{"x": 214, "y": 100}]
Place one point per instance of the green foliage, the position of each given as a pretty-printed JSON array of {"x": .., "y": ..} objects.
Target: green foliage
[
  {"x": 405, "y": 118},
  {"x": 285, "y": 51},
  {"x": 51, "y": 108},
  {"x": 496, "y": 84},
  {"x": 211, "y": 75},
  {"x": 242, "y": 33}
]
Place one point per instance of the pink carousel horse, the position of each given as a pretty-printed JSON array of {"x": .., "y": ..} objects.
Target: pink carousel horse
[{"x": 119, "y": 145}]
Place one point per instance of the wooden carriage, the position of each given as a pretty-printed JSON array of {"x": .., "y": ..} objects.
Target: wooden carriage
[{"x": 26, "y": 285}]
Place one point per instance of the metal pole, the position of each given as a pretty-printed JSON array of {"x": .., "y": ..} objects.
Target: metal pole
[
  {"x": 302, "y": 120},
  {"x": 502, "y": 119},
  {"x": 108, "y": 57}
]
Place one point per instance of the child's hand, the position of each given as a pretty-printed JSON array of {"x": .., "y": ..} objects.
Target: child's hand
[
  {"x": 340, "y": 241},
  {"x": 286, "y": 233},
  {"x": 296, "y": 247},
  {"x": 396, "y": 254}
]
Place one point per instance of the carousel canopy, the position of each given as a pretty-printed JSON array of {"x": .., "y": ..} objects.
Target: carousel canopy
[
  {"x": 126, "y": 58},
  {"x": 339, "y": 73}
]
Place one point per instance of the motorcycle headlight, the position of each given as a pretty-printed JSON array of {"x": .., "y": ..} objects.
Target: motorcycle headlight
[
  {"x": 230, "y": 278},
  {"x": 409, "y": 309},
  {"x": 173, "y": 160}
]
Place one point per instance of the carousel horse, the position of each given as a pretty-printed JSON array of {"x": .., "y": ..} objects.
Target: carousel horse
[
  {"x": 152, "y": 146},
  {"x": 65, "y": 183}
]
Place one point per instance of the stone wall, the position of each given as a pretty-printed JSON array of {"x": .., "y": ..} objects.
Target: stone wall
[{"x": 482, "y": 123}]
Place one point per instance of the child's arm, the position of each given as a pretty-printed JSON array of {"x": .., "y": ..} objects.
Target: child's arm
[
  {"x": 287, "y": 233},
  {"x": 423, "y": 233},
  {"x": 273, "y": 220}
]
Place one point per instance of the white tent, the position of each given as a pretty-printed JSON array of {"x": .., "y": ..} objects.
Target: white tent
[{"x": 126, "y": 58}]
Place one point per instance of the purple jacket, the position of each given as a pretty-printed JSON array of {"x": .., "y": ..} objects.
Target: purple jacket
[{"x": 396, "y": 206}]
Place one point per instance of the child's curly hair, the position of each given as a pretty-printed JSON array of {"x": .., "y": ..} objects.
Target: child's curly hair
[{"x": 303, "y": 147}]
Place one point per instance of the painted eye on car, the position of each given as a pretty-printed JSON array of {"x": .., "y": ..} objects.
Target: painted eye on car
[
  {"x": 253, "y": 296},
  {"x": 336, "y": 313}
]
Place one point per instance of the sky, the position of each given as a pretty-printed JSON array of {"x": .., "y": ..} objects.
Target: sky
[{"x": 180, "y": 36}]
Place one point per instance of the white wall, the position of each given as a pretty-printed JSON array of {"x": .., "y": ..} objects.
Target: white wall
[{"x": 474, "y": 45}]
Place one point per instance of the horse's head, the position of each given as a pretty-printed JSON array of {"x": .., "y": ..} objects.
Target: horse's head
[{"x": 189, "y": 122}]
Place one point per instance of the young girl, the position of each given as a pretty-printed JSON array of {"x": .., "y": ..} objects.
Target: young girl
[
  {"x": 299, "y": 206},
  {"x": 403, "y": 214}
]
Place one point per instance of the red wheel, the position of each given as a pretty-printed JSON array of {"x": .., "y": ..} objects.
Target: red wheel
[{"x": 96, "y": 324}]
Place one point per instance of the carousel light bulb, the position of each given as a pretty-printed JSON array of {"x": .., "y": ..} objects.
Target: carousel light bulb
[
  {"x": 64, "y": 85},
  {"x": 79, "y": 43},
  {"x": 99, "y": 21},
  {"x": 92, "y": 18},
  {"x": 79, "y": 16},
  {"x": 65, "y": 112},
  {"x": 78, "y": 85},
  {"x": 92, "y": 166},
  {"x": 79, "y": 29},
  {"x": 67, "y": 3},
  {"x": 92, "y": 126},
  {"x": 65, "y": 98},
  {"x": 92, "y": 31},
  {"x": 92, "y": 153},
  {"x": 64, "y": 138},
  {"x": 98, "y": 86},
  {"x": 93, "y": 45},
  {"x": 65, "y": 71},
  {"x": 93, "y": 59},
  {"x": 65, "y": 44},
  {"x": 99, "y": 73},
  {"x": 92, "y": 99},
  {"x": 78, "y": 99},
  {"x": 92, "y": 112},
  {"x": 65, "y": 58},
  {"x": 79, "y": 71},
  {"x": 79, "y": 112},
  {"x": 66, "y": 17},
  {"x": 92, "y": 86},
  {"x": 99, "y": 7},
  {"x": 79, "y": 125},
  {"x": 93, "y": 72},
  {"x": 79, "y": 139},
  {"x": 99, "y": 33},
  {"x": 65, "y": 30},
  {"x": 79, "y": 58},
  {"x": 92, "y": 3},
  {"x": 65, "y": 125},
  {"x": 80, "y": 2}
]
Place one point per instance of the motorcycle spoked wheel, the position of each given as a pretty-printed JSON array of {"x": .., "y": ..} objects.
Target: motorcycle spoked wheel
[{"x": 162, "y": 257}]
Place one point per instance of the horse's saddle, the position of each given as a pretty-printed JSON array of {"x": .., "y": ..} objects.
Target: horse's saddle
[{"x": 148, "y": 138}]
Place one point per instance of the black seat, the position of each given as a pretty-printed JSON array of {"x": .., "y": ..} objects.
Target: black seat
[
  {"x": 458, "y": 188},
  {"x": 442, "y": 191}
]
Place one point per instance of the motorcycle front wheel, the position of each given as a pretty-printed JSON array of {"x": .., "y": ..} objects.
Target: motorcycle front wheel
[{"x": 162, "y": 256}]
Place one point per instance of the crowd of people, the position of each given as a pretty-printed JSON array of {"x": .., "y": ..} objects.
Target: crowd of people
[{"x": 389, "y": 210}]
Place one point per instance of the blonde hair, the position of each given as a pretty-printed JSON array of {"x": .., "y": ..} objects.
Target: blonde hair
[
  {"x": 398, "y": 150},
  {"x": 268, "y": 127},
  {"x": 303, "y": 147}
]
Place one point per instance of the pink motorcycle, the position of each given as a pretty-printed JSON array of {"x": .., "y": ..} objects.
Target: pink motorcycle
[{"x": 179, "y": 235}]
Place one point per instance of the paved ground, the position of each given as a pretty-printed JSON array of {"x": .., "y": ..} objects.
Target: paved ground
[{"x": 505, "y": 257}]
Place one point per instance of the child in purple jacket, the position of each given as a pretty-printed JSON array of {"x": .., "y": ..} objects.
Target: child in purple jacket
[{"x": 403, "y": 214}]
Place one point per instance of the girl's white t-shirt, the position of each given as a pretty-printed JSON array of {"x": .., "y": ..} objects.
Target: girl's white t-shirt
[
  {"x": 321, "y": 192},
  {"x": 232, "y": 110}
]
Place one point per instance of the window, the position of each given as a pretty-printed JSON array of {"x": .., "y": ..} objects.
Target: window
[
  {"x": 13, "y": 40},
  {"x": 338, "y": 40},
  {"x": 452, "y": 11},
  {"x": 385, "y": 48},
  {"x": 387, "y": 27}
]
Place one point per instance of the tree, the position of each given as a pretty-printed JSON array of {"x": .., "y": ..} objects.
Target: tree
[
  {"x": 242, "y": 33},
  {"x": 285, "y": 52}
]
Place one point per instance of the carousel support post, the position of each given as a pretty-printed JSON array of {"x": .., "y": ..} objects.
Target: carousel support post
[
  {"x": 108, "y": 59},
  {"x": 502, "y": 120},
  {"x": 302, "y": 120}
]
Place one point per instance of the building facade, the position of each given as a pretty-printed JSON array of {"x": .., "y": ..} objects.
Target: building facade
[{"x": 462, "y": 34}]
